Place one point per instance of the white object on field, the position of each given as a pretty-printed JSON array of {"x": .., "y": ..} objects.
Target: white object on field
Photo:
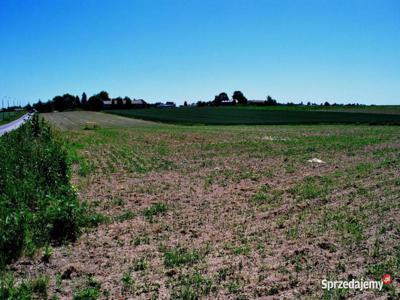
[{"x": 316, "y": 160}]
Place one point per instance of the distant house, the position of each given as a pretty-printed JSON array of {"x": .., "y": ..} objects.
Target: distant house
[
  {"x": 228, "y": 102},
  {"x": 122, "y": 103},
  {"x": 107, "y": 103},
  {"x": 139, "y": 103},
  {"x": 113, "y": 102},
  {"x": 167, "y": 104}
]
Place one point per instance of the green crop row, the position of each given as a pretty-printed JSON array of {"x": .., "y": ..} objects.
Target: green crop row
[{"x": 252, "y": 116}]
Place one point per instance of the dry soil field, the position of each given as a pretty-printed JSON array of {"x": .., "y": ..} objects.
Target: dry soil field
[
  {"x": 223, "y": 212},
  {"x": 89, "y": 119}
]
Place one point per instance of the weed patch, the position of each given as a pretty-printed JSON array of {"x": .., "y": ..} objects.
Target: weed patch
[
  {"x": 191, "y": 286},
  {"x": 180, "y": 256},
  {"x": 312, "y": 187},
  {"x": 154, "y": 210},
  {"x": 90, "y": 291}
]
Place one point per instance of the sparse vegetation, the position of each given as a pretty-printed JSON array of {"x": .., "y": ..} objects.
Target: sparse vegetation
[
  {"x": 127, "y": 282},
  {"x": 232, "y": 211},
  {"x": 180, "y": 256},
  {"x": 154, "y": 210},
  {"x": 141, "y": 240},
  {"x": 128, "y": 215},
  {"x": 90, "y": 291},
  {"x": 47, "y": 252},
  {"x": 140, "y": 264},
  {"x": 191, "y": 286}
]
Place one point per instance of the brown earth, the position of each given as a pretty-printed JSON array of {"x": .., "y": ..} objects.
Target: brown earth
[{"x": 255, "y": 219}]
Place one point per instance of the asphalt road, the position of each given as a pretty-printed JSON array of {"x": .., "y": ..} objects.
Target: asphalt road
[{"x": 14, "y": 124}]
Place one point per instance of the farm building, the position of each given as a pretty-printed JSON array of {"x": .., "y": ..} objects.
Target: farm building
[
  {"x": 167, "y": 104},
  {"x": 228, "y": 102},
  {"x": 139, "y": 103},
  {"x": 107, "y": 103}
]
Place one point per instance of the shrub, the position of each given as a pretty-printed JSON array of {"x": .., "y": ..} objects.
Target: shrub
[{"x": 38, "y": 203}]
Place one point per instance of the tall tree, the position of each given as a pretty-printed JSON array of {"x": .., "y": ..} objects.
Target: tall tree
[
  {"x": 103, "y": 95},
  {"x": 77, "y": 101},
  {"x": 128, "y": 102},
  {"x": 120, "y": 102},
  {"x": 221, "y": 97},
  {"x": 96, "y": 102},
  {"x": 84, "y": 99},
  {"x": 239, "y": 97},
  {"x": 59, "y": 103},
  {"x": 270, "y": 101}
]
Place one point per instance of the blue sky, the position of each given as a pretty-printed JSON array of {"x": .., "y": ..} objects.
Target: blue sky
[{"x": 159, "y": 50}]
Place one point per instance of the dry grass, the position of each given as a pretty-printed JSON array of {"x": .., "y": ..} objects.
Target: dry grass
[
  {"x": 75, "y": 120},
  {"x": 232, "y": 212}
]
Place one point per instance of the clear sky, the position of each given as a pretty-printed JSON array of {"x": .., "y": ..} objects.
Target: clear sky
[{"x": 160, "y": 50}]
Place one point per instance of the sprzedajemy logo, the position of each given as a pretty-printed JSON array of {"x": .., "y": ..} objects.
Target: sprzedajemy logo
[{"x": 357, "y": 284}]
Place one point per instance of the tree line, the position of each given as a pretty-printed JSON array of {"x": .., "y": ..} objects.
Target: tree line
[
  {"x": 96, "y": 102},
  {"x": 239, "y": 98},
  {"x": 71, "y": 102}
]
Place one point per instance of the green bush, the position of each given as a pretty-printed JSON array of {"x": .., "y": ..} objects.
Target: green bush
[
  {"x": 38, "y": 204},
  {"x": 35, "y": 288}
]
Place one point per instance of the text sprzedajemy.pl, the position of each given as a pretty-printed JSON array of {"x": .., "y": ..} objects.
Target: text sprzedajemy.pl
[{"x": 352, "y": 284}]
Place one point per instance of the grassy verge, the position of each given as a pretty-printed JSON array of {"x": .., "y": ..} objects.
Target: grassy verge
[
  {"x": 7, "y": 117},
  {"x": 38, "y": 204}
]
